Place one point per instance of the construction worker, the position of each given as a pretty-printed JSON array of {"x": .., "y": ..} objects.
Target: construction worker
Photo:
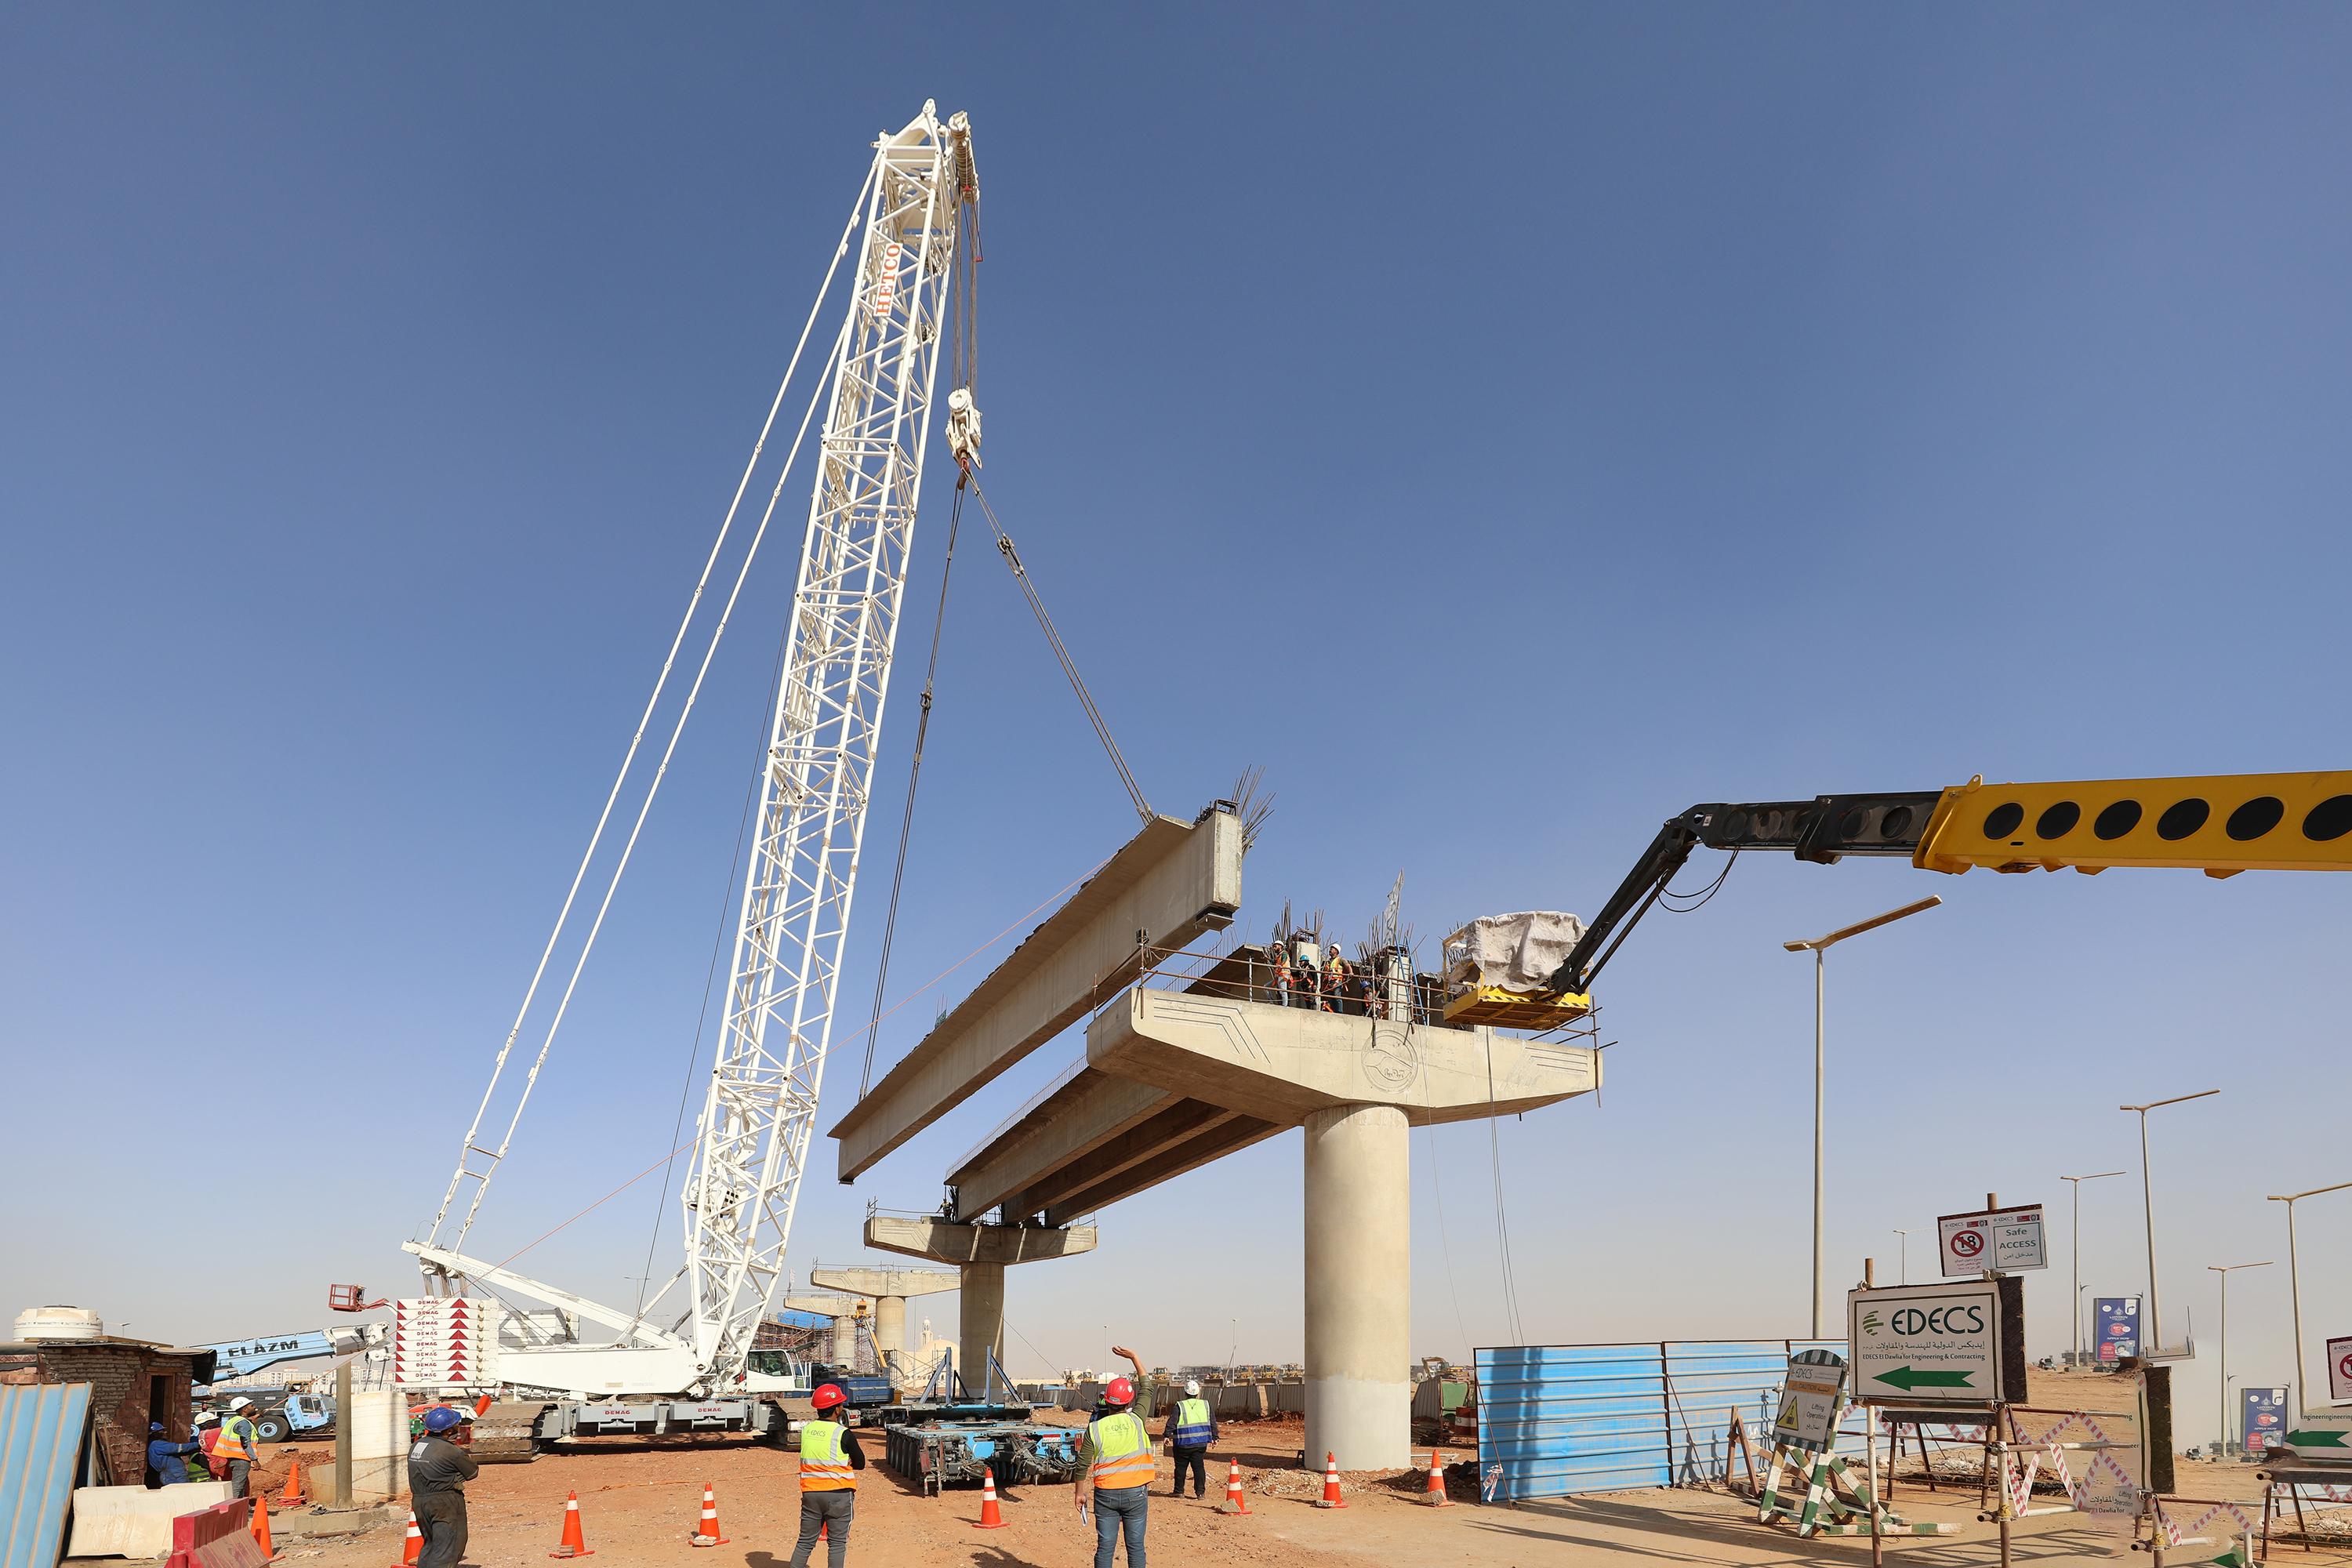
[
  {"x": 1191, "y": 1429},
  {"x": 438, "y": 1469},
  {"x": 1310, "y": 957},
  {"x": 237, "y": 1448},
  {"x": 830, "y": 1460},
  {"x": 168, "y": 1460},
  {"x": 1335, "y": 981},
  {"x": 1114, "y": 1467},
  {"x": 1280, "y": 952}
]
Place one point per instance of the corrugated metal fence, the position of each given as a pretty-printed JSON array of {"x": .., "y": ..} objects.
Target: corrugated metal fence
[
  {"x": 1561, "y": 1419},
  {"x": 41, "y": 1432}
]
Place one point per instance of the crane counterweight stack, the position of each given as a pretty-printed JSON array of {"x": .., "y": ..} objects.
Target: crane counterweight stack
[{"x": 814, "y": 782}]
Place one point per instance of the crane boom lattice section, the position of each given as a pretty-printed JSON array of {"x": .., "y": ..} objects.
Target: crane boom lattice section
[{"x": 762, "y": 1099}]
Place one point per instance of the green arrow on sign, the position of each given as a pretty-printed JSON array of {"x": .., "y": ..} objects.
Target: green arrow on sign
[
  {"x": 1905, "y": 1378},
  {"x": 2319, "y": 1439}
]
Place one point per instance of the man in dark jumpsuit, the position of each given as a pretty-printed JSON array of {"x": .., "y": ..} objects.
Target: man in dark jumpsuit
[{"x": 438, "y": 1470}]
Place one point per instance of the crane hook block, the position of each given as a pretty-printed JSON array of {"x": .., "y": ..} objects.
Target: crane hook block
[{"x": 963, "y": 426}]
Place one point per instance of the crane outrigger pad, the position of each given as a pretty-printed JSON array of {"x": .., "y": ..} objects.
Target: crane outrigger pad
[{"x": 1500, "y": 1009}]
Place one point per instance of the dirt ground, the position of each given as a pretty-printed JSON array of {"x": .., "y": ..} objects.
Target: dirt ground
[{"x": 640, "y": 1501}]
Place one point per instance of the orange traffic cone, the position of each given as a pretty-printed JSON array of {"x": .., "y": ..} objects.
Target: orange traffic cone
[
  {"x": 1235, "y": 1501},
  {"x": 574, "y": 1543},
  {"x": 708, "y": 1532},
  {"x": 1332, "y": 1498},
  {"x": 260, "y": 1528},
  {"x": 414, "y": 1546},
  {"x": 482, "y": 1406},
  {"x": 292, "y": 1496},
  {"x": 991, "y": 1517},
  {"x": 1438, "y": 1498}
]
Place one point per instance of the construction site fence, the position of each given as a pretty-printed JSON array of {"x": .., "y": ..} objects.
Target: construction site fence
[
  {"x": 1558, "y": 1420},
  {"x": 1228, "y": 1402}
]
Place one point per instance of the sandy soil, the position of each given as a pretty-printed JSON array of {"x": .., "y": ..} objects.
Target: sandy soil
[{"x": 640, "y": 1501}]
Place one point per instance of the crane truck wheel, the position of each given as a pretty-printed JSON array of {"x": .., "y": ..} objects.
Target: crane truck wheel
[
  {"x": 273, "y": 1429},
  {"x": 507, "y": 1432}
]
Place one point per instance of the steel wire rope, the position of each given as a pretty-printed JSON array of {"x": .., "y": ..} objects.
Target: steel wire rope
[
  {"x": 1061, "y": 652},
  {"x": 711, "y": 975},
  {"x": 628, "y": 758},
  {"x": 1502, "y": 1221},
  {"x": 1437, "y": 1193},
  {"x": 661, "y": 771},
  {"x": 1015, "y": 924},
  {"x": 914, "y": 777}
]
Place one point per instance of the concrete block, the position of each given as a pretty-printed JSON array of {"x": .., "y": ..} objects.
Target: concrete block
[
  {"x": 378, "y": 1421},
  {"x": 132, "y": 1521}
]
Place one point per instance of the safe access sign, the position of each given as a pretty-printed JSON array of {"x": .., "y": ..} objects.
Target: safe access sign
[
  {"x": 2339, "y": 1372},
  {"x": 1925, "y": 1344},
  {"x": 2007, "y": 1239}
]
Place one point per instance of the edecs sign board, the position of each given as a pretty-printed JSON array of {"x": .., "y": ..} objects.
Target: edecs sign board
[{"x": 1961, "y": 1343}]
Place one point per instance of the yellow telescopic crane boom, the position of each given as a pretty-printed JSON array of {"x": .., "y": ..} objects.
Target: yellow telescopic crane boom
[{"x": 2219, "y": 826}]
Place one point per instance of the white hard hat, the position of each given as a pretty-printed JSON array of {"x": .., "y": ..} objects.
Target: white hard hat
[
  {"x": 240, "y": 1403},
  {"x": 1191, "y": 1385}
]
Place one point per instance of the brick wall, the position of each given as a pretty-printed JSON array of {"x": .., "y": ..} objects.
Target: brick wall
[{"x": 118, "y": 1376}]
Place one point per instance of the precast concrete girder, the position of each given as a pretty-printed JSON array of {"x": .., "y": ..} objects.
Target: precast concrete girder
[
  {"x": 1182, "y": 1121},
  {"x": 1233, "y": 1133},
  {"x": 1167, "y": 885},
  {"x": 1087, "y": 1111}
]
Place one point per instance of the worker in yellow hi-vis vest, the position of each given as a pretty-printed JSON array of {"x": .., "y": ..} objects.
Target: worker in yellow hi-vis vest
[
  {"x": 830, "y": 1460},
  {"x": 1114, "y": 1467}
]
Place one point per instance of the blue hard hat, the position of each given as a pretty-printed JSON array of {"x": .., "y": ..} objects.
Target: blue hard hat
[
  {"x": 155, "y": 1425},
  {"x": 440, "y": 1418}
]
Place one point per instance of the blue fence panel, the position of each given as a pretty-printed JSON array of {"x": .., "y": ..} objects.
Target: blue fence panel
[
  {"x": 1562, "y": 1419},
  {"x": 1572, "y": 1418},
  {"x": 41, "y": 1431}
]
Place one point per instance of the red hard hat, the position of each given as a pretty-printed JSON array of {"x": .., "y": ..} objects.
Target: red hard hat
[
  {"x": 1120, "y": 1390},
  {"x": 827, "y": 1395}
]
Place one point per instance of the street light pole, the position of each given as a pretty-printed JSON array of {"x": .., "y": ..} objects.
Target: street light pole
[
  {"x": 1904, "y": 1243},
  {"x": 2156, "y": 1344},
  {"x": 2077, "y": 1183},
  {"x": 2224, "y": 1270},
  {"x": 1817, "y": 947},
  {"x": 2294, "y": 1283}
]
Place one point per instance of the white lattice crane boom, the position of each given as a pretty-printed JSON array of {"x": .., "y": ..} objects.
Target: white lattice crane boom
[{"x": 813, "y": 790}]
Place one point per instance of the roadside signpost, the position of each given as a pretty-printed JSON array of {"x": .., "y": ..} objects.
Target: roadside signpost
[
  {"x": 2007, "y": 1239},
  {"x": 1960, "y": 1343},
  {"x": 2115, "y": 1323}
]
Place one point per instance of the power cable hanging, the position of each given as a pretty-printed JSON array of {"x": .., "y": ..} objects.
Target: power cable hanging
[{"x": 1061, "y": 652}]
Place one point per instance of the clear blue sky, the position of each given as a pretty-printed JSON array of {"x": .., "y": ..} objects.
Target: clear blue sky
[{"x": 1506, "y": 426}]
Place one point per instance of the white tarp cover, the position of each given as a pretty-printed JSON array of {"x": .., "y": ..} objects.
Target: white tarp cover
[{"x": 1517, "y": 953}]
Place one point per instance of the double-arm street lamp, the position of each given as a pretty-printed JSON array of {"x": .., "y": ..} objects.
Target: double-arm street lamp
[
  {"x": 2155, "y": 1349},
  {"x": 2076, "y": 1182},
  {"x": 2294, "y": 1283}
]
